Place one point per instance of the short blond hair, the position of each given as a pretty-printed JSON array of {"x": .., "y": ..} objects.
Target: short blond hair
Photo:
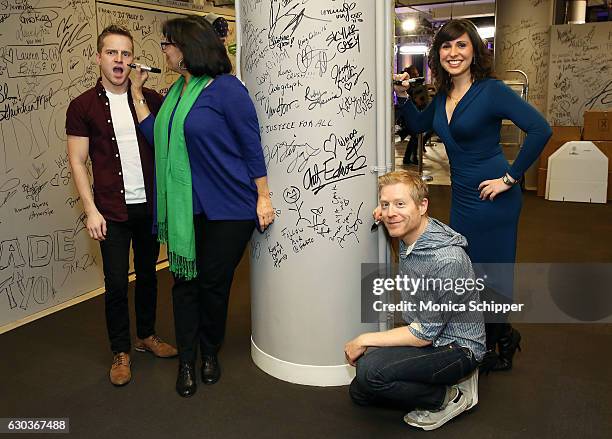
[{"x": 416, "y": 186}]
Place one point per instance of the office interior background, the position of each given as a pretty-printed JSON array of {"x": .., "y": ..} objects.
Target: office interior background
[{"x": 52, "y": 328}]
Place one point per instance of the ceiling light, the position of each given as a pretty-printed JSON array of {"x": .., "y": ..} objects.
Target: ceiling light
[
  {"x": 486, "y": 32},
  {"x": 409, "y": 25},
  {"x": 413, "y": 50}
]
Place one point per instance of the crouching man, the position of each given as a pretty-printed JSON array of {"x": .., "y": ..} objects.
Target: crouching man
[{"x": 429, "y": 367}]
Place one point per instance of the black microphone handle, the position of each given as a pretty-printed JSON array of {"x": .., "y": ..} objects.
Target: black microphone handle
[{"x": 146, "y": 68}]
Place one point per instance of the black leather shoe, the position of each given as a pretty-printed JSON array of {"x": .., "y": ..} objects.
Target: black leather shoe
[
  {"x": 211, "y": 372},
  {"x": 186, "y": 384}
]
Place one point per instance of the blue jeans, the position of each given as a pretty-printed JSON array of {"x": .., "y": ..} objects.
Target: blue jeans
[{"x": 409, "y": 378}]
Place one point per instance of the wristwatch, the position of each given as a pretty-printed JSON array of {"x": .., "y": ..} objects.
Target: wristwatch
[
  {"x": 140, "y": 101},
  {"x": 507, "y": 181}
]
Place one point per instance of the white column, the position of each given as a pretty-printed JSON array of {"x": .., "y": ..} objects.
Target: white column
[{"x": 312, "y": 69}]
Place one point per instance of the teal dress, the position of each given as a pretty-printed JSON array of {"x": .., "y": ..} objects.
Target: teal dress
[{"x": 472, "y": 140}]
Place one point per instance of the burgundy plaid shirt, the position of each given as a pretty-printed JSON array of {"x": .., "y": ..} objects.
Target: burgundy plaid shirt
[{"x": 89, "y": 115}]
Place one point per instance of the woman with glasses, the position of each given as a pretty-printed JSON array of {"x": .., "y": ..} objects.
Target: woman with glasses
[
  {"x": 212, "y": 188},
  {"x": 467, "y": 114}
]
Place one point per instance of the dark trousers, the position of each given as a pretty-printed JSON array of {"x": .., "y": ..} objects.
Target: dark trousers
[
  {"x": 200, "y": 305},
  {"x": 137, "y": 231},
  {"x": 409, "y": 378},
  {"x": 411, "y": 154},
  {"x": 412, "y": 148}
]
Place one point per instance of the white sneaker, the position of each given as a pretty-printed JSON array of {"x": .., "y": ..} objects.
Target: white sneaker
[
  {"x": 469, "y": 387},
  {"x": 430, "y": 420}
]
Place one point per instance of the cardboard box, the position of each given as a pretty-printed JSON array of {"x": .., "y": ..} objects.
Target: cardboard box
[
  {"x": 566, "y": 133},
  {"x": 551, "y": 146},
  {"x": 606, "y": 147},
  {"x": 559, "y": 136},
  {"x": 542, "y": 172},
  {"x": 597, "y": 125}
]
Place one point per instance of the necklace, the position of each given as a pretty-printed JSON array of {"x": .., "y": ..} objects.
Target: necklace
[{"x": 455, "y": 101}]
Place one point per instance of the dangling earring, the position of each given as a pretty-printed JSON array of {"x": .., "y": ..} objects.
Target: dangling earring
[
  {"x": 181, "y": 64},
  {"x": 474, "y": 60}
]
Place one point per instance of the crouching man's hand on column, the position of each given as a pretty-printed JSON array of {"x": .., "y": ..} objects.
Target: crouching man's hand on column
[{"x": 354, "y": 349}]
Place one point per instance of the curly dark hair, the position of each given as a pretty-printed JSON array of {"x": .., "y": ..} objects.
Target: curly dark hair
[
  {"x": 203, "y": 52},
  {"x": 481, "y": 67}
]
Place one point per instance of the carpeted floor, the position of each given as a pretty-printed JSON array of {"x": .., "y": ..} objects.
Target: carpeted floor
[{"x": 561, "y": 386}]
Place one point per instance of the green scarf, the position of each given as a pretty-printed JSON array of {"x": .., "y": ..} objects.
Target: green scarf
[{"x": 173, "y": 178}]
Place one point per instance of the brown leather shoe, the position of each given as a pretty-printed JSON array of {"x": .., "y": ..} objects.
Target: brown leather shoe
[
  {"x": 120, "y": 373},
  {"x": 157, "y": 346}
]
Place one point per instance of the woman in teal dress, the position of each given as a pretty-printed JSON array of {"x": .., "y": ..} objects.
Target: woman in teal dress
[{"x": 467, "y": 114}]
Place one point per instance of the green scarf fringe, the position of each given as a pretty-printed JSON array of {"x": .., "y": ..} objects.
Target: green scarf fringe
[
  {"x": 182, "y": 267},
  {"x": 179, "y": 265},
  {"x": 162, "y": 232}
]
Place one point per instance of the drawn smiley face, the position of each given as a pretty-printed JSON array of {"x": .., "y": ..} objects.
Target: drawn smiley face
[{"x": 291, "y": 195}]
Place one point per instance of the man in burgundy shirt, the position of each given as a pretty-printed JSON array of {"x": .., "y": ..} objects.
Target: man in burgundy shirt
[{"x": 101, "y": 124}]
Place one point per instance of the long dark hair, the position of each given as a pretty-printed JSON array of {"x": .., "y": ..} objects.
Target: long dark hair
[
  {"x": 203, "y": 52},
  {"x": 482, "y": 65}
]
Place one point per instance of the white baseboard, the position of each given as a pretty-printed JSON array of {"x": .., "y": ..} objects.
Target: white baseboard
[{"x": 305, "y": 374}]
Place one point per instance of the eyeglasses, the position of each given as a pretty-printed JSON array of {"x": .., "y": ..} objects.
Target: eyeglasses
[{"x": 164, "y": 44}]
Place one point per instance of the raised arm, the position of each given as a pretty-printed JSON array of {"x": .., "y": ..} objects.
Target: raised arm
[
  {"x": 416, "y": 121},
  {"x": 78, "y": 152},
  {"x": 140, "y": 104},
  {"x": 146, "y": 119}
]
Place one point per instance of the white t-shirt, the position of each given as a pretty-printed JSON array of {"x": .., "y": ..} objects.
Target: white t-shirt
[{"x": 125, "y": 133}]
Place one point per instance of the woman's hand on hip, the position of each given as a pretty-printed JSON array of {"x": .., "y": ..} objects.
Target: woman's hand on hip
[
  {"x": 265, "y": 211},
  {"x": 489, "y": 189}
]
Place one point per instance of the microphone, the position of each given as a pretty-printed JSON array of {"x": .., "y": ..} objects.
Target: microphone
[
  {"x": 145, "y": 68},
  {"x": 410, "y": 81}
]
